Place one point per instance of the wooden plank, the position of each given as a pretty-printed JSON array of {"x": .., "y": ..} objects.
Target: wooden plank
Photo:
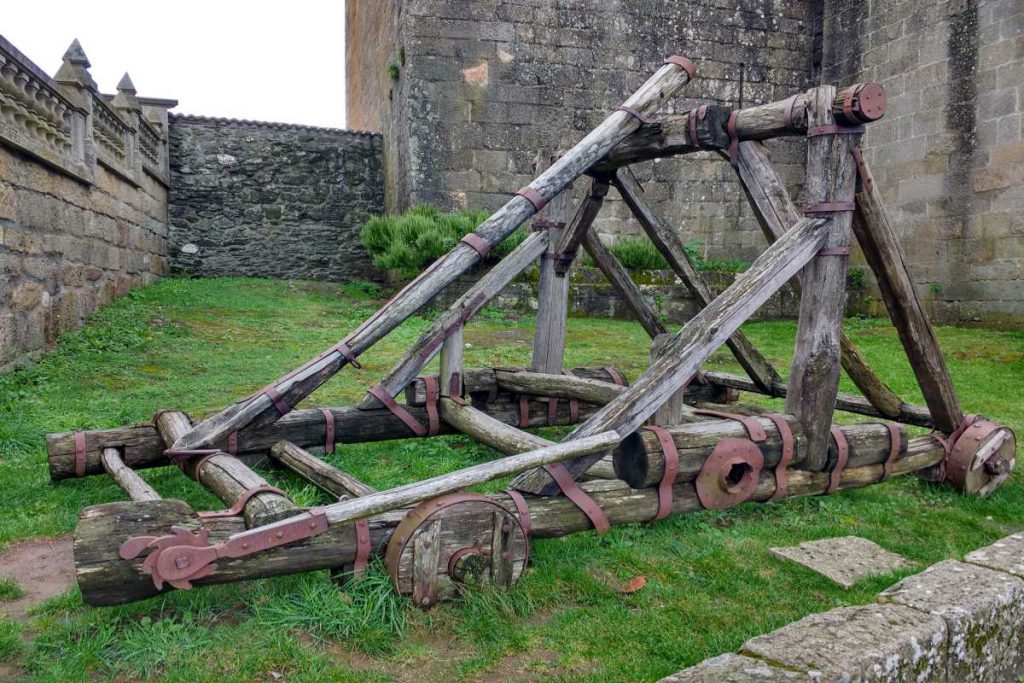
[
  {"x": 851, "y": 403},
  {"x": 464, "y": 308},
  {"x": 775, "y": 211},
  {"x": 671, "y": 410},
  {"x": 814, "y": 374},
  {"x": 261, "y": 410},
  {"x": 694, "y": 343},
  {"x": 320, "y": 474},
  {"x": 669, "y": 243},
  {"x": 885, "y": 257},
  {"x": 619, "y": 278},
  {"x": 426, "y": 554},
  {"x": 125, "y": 477}
]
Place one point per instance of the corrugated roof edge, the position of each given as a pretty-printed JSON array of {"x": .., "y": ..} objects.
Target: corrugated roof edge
[{"x": 266, "y": 124}]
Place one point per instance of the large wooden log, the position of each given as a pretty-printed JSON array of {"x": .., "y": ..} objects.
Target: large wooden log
[
  {"x": 227, "y": 477},
  {"x": 482, "y": 384},
  {"x": 885, "y": 257},
  {"x": 262, "y": 409},
  {"x": 484, "y": 428},
  {"x": 317, "y": 472},
  {"x": 105, "y": 579},
  {"x": 775, "y": 211},
  {"x": 669, "y": 243},
  {"x": 851, "y": 403},
  {"x": 619, "y": 278},
  {"x": 125, "y": 477},
  {"x": 593, "y": 391},
  {"x": 814, "y": 374},
  {"x": 694, "y": 344},
  {"x": 670, "y": 135}
]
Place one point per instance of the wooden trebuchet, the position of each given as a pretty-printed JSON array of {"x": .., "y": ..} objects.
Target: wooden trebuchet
[
  {"x": 265, "y": 407},
  {"x": 885, "y": 257},
  {"x": 671, "y": 135},
  {"x": 693, "y": 344},
  {"x": 106, "y": 579},
  {"x": 669, "y": 243},
  {"x": 775, "y": 212}
]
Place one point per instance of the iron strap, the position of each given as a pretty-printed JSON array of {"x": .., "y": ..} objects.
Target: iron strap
[
  {"x": 751, "y": 424},
  {"x": 829, "y": 207},
  {"x": 232, "y": 448},
  {"x": 482, "y": 246},
  {"x": 362, "y": 546},
  {"x": 328, "y": 430},
  {"x": 382, "y": 395},
  {"x": 531, "y": 195},
  {"x": 614, "y": 374},
  {"x": 679, "y": 60},
  {"x": 522, "y": 511},
  {"x": 432, "y": 385},
  {"x": 571, "y": 490},
  {"x": 734, "y": 141},
  {"x": 834, "y": 129},
  {"x": 700, "y": 113},
  {"x": 788, "y": 450},
  {"x": 636, "y": 114},
  {"x": 239, "y": 504},
  {"x": 668, "y": 479},
  {"x": 787, "y": 113},
  {"x": 895, "y": 445},
  {"x": 842, "y": 457}
]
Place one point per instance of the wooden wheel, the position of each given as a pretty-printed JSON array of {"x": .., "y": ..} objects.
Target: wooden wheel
[
  {"x": 456, "y": 539},
  {"x": 982, "y": 458}
]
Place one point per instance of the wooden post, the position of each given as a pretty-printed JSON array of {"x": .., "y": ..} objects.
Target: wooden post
[
  {"x": 669, "y": 412},
  {"x": 619, "y": 277},
  {"x": 693, "y": 344},
  {"x": 450, "y": 374},
  {"x": 261, "y": 409},
  {"x": 226, "y": 477},
  {"x": 775, "y": 211},
  {"x": 885, "y": 257},
  {"x": 667, "y": 240},
  {"x": 814, "y": 375},
  {"x": 125, "y": 477}
]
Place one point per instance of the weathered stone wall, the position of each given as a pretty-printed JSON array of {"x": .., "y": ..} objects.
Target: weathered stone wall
[
  {"x": 83, "y": 199},
  {"x": 949, "y": 154},
  {"x": 271, "y": 200},
  {"x": 485, "y": 85}
]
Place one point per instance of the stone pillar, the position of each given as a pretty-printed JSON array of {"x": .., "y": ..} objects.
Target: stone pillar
[{"x": 77, "y": 84}]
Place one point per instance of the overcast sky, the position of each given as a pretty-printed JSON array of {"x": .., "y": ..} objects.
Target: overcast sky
[{"x": 270, "y": 60}]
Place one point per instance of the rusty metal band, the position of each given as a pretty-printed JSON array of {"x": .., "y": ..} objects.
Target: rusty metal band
[
  {"x": 700, "y": 113},
  {"x": 543, "y": 224},
  {"x": 751, "y": 424},
  {"x": 679, "y": 60},
  {"x": 848, "y": 102},
  {"x": 328, "y": 430},
  {"x": 522, "y": 511},
  {"x": 455, "y": 387},
  {"x": 552, "y": 411},
  {"x": 574, "y": 405},
  {"x": 362, "y": 546},
  {"x": 787, "y": 113},
  {"x": 734, "y": 141},
  {"x": 950, "y": 469},
  {"x": 531, "y": 195},
  {"x": 274, "y": 395},
  {"x": 636, "y": 114},
  {"x": 571, "y": 490},
  {"x": 239, "y": 504},
  {"x": 482, "y": 246},
  {"x": 895, "y": 445},
  {"x": 433, "y": 388},
  {"x": 233, "y": 443},
  {"x": 668, "y": 479},
  {"x": 863, "y": 171},
  {"x": 788, "y": 450},
  {"x": 179, "y": 458},
  {"x": 834, "y": 129},
  {"x": 382, "y": 395},
  {"x": 347, "y": 353},
  {"x": 830, "y": 207},
  {"x": 79, "y": 453},
  {"x": 200, "y": 462},
  {"x": 843, "y": 455},
  {"x": 834, "y": 251},
  {"x": 524, "y": 411},
  {"x": 614, "y": 374}
]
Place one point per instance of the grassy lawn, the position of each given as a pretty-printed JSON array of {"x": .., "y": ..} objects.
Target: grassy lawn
[{"x": 198, "y": 345}]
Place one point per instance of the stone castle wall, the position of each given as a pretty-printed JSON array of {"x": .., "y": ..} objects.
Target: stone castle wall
[
  {"x": 271, "y": 200},
  {"x": 83, "y": 197}
]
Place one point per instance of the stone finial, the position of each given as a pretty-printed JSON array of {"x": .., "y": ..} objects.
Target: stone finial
[
  {"x": 75, "y": 69},
  {"x": 125, "y": 97}
]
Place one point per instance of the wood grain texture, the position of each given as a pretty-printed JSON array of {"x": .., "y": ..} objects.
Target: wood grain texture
[
  {"x": 694, "y": 344},
  {"x": 619, "y": 278},
  {"x": 125, "y": 477},
  {"x": 814, "y": 373},
  {"x": 775, "y": 212},
  {"x": 260, "y": 410},
  {"x": 885, "y": 257},
  {"x": 668, "y": 241}
]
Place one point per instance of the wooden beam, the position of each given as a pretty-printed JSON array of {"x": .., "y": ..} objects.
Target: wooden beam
[
  {"x": 125, "y": 477},
  {"x": 693, "y": 344},
  {"x": 671, "y": 410},
  {"x": 593, "y": 391},
  {"x": 572, "y": 237},
  {"x": 619, "y": 278},
  {"x": 262, "y": 409},
  {"x": 885, "y": 257},
  {"x": 668, "y": 242},
  {"x": 775, "y": 211},
  {"x": 320, "y": 474},
  {"x": 450, "y": 373},
  {"x": 814, "y": 374},
  {"x": 484, "y": 428}
]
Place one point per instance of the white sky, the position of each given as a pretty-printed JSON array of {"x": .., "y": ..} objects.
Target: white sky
[{"x": 270, "y": 60}]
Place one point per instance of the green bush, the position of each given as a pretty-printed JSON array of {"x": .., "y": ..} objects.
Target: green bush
[
  {"x": 411, "y": 242},
  {"x": 638, "y": 253}
]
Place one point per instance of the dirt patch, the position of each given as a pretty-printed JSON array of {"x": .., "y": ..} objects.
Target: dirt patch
[{"x": 43, "y": 567}]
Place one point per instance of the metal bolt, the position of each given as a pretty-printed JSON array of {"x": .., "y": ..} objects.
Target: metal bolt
[
  {"x": 506, "y": 527},
  {"x": 506, "y": 555},
  {"x": 245, "y": 546},
  {"x": 279, "y": 534},
  {"x": 312, "y": 525},
  {"x": 427, "y": 543},
  {"x": 425, "y": 601}
]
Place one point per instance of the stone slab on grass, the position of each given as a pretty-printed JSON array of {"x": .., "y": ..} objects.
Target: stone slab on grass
[
  {"x": 865, "y": 643},
  {"x": 1006, "y": 555},
  {"x": 984, "y": 614},
  {"x": 732, "y": 668},
  {"x": 844, "y": 560}
]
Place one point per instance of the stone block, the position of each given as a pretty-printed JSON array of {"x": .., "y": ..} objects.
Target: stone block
[
  {"x": 984, "y": 614},
  {"x": 845, "y": 560},
  {"x": 866, "y": 643},
  {"x": 27, "y": 296},
  {"x": 8, "y": 203},
  {"x": 731, "y": 668},
  {"x": 1005, "y": 555}
]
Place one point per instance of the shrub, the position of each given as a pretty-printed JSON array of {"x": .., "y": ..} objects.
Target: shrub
[
  {"x": 638, "y": 253},
  {"x": 412, "y": 241}
]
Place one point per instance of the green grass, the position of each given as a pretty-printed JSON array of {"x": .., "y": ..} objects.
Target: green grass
[
  {"x": 198, "y": 345},
  {"x": 10, "y": 590}
]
